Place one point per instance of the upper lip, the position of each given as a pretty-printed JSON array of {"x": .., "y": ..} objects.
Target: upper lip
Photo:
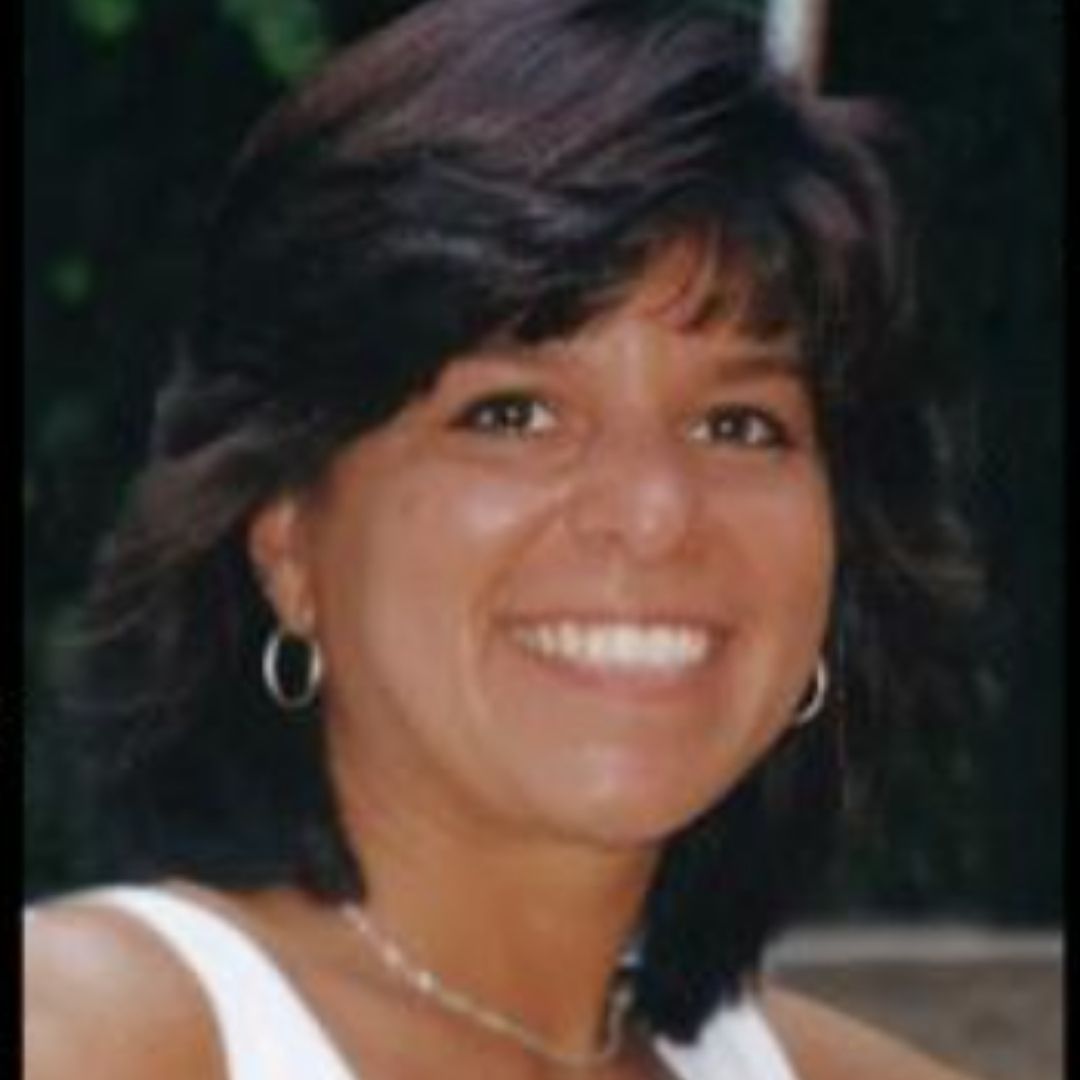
[{"x": 609, "y": 616}]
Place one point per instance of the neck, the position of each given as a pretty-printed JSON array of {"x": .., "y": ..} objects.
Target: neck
[{"x": 533, "y": 928}]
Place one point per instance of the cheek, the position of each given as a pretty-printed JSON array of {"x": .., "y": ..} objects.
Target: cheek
[
  {"x": 782, "y": 544},
  {"x": 463, "y": 514},
  {"x": 419, "y": 561},
  {"x": 796, "y": 552},
  {"x": 783, "y": 526},
  {"x": 458, "y": 532}
]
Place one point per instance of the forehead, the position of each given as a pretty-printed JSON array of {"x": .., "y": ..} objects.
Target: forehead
[
  {"x": 676, "y": 279},
  {"x": 651, "y": 329},
  {"x": 688, "y": 286},
  {"x": 704, "y": 280},
  {"x": 700, "y": 289}
]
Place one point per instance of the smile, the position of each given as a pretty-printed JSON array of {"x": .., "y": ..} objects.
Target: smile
[{"x": 625, "y": 647}]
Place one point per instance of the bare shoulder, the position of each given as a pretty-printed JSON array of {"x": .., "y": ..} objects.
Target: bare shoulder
[
  {"x": 826, "y": 1044},
  {"x": 104, "y": 997}
]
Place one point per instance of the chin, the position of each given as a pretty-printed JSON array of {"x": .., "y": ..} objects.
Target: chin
[{"x": 633, "y": 813}]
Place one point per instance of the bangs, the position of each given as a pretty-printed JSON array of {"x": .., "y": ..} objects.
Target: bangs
[
  {"x": 719, "y": 277},
  {"x": 384, "y": 255},
  {"x": 805, "y": 263}
]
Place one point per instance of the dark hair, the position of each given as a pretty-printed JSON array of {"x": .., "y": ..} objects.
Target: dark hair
[{"x": 485, "y": 166}]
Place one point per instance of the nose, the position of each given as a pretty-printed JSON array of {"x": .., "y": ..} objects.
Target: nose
[{"x": 636, "y": 495}]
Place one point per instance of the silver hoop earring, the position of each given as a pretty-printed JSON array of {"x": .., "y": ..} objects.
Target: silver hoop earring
[
  {"x": 306, "y": 693},
  {"x": 810, "y": 710}
]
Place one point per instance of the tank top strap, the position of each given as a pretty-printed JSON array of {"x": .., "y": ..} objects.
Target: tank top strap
[
  {"x": 735, "y": 1044},
  {"x": 267, "y": 1032}
]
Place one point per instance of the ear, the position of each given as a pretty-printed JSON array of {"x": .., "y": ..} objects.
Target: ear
[{"x": 278, "y": 549}]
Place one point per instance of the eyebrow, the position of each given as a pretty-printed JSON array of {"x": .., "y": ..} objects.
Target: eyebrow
[{"x": 742, "y": 365}]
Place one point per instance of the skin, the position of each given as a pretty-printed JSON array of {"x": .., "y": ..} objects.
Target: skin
[
  {"x": 646, "y": 469},
  {"x": 643, "y": 470},
  {"x": 105, "y": 1000}
]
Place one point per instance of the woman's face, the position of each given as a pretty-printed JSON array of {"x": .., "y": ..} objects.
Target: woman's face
[{"x": 577, "y": 589}]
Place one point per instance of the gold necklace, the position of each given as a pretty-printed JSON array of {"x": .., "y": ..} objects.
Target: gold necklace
[{"x": 426, "y": 983}]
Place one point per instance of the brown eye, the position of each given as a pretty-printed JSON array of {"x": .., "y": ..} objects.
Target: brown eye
[
  {"x": 517, "y": 414},
  {"x": 742, "y": 426}
]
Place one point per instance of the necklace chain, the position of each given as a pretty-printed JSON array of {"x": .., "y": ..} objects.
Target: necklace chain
[{"x": 426, "y": 983}]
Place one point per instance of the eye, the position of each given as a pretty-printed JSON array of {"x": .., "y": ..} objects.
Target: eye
[
  {"x": 743, "y": 426},
  {"x": 514, "y": 413}
]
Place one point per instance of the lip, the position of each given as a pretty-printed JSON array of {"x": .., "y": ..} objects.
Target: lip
[{"x": 603, "y": 616}]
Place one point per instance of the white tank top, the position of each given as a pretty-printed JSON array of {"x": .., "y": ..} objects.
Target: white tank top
[{"x": 267, "y": 1032}]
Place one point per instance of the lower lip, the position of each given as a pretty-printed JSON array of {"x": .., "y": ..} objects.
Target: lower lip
[{"x": 637, "y": 683}]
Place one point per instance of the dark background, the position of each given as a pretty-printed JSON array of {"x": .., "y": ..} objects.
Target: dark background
[{"x": 132, "y": 110}]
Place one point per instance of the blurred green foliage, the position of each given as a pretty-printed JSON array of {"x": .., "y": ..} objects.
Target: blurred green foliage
[
  {"x": 288, "y": 35},
  {"x": 105, "y": 19},
  {"x": 133, "y": 108}
]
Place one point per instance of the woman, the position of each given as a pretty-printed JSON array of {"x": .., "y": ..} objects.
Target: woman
[{"x": 530, "y": 443}]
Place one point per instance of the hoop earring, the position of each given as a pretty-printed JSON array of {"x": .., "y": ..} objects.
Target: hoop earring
[
  {"x": 271, "y": 670},
  {"x": 812, "y": 708}
]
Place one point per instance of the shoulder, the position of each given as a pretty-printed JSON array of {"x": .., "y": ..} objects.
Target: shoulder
[
  {"x": 105, "y": 997},
  {"x": 824, "y": 1043}
]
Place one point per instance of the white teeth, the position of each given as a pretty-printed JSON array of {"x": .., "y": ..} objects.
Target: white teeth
[{"x": 618, "y": 645}]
